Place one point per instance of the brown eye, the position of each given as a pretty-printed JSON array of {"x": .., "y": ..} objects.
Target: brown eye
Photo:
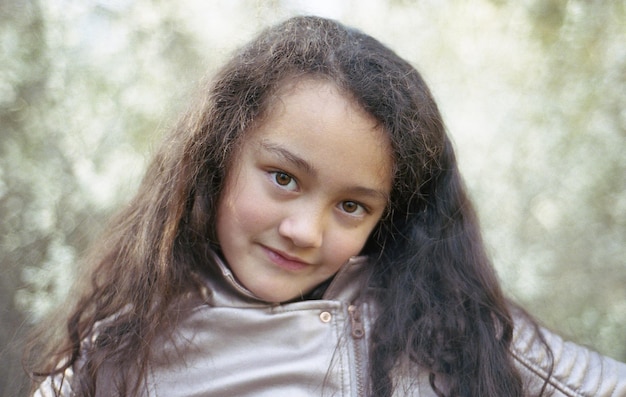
[
  {"x": 349, "y": 206},
  {"x": 282, "y": 179}
]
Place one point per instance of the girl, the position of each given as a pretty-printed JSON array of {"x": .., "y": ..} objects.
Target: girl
[{"x": 305, "y": 231}]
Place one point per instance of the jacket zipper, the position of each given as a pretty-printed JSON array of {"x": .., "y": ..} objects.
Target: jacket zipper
[
  {"x": 357, "y": 332},
  {"x": 355, "y": 320}
]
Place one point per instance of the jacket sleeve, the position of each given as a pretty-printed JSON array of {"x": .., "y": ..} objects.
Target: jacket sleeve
[{"x": 576, "y": 371}]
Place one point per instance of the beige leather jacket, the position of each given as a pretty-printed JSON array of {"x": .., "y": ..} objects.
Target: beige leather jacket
[{"x": 232, "y": 344}]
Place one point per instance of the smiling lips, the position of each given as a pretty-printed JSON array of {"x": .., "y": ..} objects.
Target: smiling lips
[{"x": 284, "y": 260}]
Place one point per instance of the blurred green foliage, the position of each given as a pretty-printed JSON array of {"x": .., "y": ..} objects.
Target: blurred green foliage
[{"x": 534, "y": 94}]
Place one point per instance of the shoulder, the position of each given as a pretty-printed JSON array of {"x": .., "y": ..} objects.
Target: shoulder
[
  {"x": 65, "y": 382},
  {"x": 570, "y": 369}
]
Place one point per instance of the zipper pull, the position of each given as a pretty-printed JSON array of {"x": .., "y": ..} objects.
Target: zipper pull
[{"x": 355, "y": 319}]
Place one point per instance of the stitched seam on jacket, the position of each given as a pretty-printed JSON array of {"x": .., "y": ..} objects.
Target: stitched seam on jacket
[
  {"x": 560, "y": 386},
  {"x": 342, "y": 369}
]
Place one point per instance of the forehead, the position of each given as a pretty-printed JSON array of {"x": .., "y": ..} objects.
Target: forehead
[
  {"x": 295, "y": 88},
  {"x": 318, "y": 100}
]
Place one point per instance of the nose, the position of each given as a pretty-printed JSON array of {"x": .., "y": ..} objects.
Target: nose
[{"x": 304, "y": 227}]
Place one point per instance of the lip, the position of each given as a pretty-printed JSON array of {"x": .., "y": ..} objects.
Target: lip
[{"x": 284, "y": 260}]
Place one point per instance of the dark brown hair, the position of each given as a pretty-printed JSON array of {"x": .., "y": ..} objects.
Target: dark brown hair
[{"x": 441, "y": 304}]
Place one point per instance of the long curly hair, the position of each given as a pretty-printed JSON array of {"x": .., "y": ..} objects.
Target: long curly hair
[{"x": 441, "y": 304}]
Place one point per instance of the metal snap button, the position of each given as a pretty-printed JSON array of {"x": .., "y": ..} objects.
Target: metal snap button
[{"x": 325, "y": 317}]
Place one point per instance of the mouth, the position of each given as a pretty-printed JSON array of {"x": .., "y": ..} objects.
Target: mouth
[{"x": 284, "y": 260}]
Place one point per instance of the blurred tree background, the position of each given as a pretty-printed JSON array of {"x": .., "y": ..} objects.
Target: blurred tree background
[{"x": 534, "y": 94}]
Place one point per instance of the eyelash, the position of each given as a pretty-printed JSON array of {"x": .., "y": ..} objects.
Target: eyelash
[{"x": 276, "y": 174}]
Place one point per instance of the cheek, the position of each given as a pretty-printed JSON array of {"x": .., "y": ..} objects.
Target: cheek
[
  {"x": 347, "y": 243},
  {"x": 250, "y": 213},
  {"x": 244, "y": 209},
  {"x": 344, "y": 245}
]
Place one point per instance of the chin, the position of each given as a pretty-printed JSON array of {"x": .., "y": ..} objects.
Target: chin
[
  {"x": 275, "y": 295},
  {"x": 273, "y": 298}
]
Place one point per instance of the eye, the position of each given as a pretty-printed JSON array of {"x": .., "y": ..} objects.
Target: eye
[
  {"x": 352, "y": 208},
  {"x": 284, "y": 180}
]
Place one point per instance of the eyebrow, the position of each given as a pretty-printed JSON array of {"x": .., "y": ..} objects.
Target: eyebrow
[
  {"x": 305, "y": 166},
  {"x": 292, "y": 158}
]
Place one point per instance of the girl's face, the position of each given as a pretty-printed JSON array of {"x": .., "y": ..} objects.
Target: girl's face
[{"x": 304, "y": 192}]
